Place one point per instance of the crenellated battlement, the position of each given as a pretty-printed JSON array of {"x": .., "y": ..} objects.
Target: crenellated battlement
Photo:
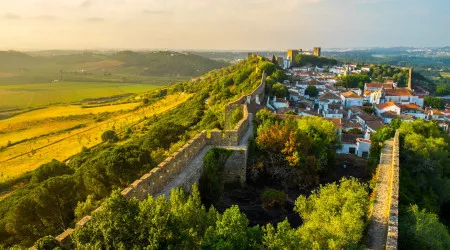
[{"x": 162, "y": 177}]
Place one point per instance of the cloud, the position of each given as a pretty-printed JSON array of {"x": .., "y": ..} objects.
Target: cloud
[
  {"x": 11, "y": 16},
  {"x": 45, "y": 17},
  {"x": 153, "y": 12},
  {"x": 95, "y": 19},
  {"x": 86, "y": 3}
]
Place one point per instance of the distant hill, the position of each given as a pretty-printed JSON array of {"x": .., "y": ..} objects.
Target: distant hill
[
  {"x": 168, "y": 63},
  {"x": 19, "y": 67}
]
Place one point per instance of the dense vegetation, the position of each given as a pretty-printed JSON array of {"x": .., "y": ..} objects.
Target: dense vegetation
[
  {"x": 211, "y": 182},
  {"x": 292, "y": 152},
  {"x": 424, "y": 186},
  {"x": 434, "y": 102},
  {"x": 424, "y": 182},
  {"x": 334, "y": 217},
  {"x": 50, "y": 198},
  {"x": 380, "y": 73}
]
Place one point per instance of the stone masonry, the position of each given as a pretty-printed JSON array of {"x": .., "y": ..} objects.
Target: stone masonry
[
  {"x": 383, "y": 227},
  {"x": 184, "y": 167}
]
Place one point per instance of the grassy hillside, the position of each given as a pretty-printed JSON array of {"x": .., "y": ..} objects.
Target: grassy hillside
[
  {"x": 35, "y": 80},
  {"x": 91, "y": 175}
]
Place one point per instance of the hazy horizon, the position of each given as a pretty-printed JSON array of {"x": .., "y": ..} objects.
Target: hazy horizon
[{"x": 221, "y": 25}]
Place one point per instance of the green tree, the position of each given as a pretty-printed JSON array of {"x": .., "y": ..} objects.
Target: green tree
[
  {"x": 55, "y": 200},
  {"x": 109, "y": 136},
  {"x": 279, "y": 90},
  {"x": 334, "y": 216},
  {"x": 48, "y": 170},
  {"x": 312, "y": 91},
  {"x": 422, "y": 230},
  {"x": 47, "y": 243},
  {"x": 281, "y": 237},
  {"x": 232, "y": 232},
  {"x": 434, "y": 102},
  {"x": 114, "y": 226}
]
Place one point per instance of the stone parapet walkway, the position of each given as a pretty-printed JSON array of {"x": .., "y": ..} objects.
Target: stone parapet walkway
[{"x": 378, "y": 226}]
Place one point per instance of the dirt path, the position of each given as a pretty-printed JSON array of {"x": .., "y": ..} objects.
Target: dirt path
[{"x": 377, "y": 232}]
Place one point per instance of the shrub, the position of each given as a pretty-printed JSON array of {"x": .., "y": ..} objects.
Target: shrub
[
  {"x": 109, "y": 136},
  {"x": 47, "y": 243},
  {"x": 273, "y": 198},
  {"x": 236, "y": 116}
]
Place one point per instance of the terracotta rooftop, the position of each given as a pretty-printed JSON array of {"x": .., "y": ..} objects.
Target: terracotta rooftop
[
  {"x": 379, "y": 85},
  {"x": 410, "y": 106},
  {"x": 350, "y": 94},
  {"x": 393, "y": 115},
  {"x": 366, "y": 117},
  {"x": 374, "y": 124},
  {"x": 437, "y": 112},
  {"x": 349, "y": 124},
  {"x": 328, "y": 96},
  {"x": 399, "y": 92},
  {"x": 350, "y": 138},
  {"x": 367, "y": 92},
  {"x": 382, "y": 106}
]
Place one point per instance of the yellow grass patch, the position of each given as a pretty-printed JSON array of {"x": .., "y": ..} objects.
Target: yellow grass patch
[
  {"x": 445, "y": 74},
  {"x": 61, "y": 111},
  {"x": 42, "y": 121},
  {"x": 29, "y": 155}
]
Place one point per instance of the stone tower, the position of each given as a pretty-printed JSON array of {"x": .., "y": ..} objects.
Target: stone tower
[
  {"x": 317, "y": 51},
  {"x": 292, "y": 54},
  {"x": 410, "y": 79}
]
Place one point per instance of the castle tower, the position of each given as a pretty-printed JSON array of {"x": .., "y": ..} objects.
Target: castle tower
[
  {"x": 410, "y": 79},
  {"x": 317, "y": 51},
  {"x": 292, "y": 54}
]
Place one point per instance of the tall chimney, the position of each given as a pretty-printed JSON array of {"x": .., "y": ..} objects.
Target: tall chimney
[{"x": 410, "y": 79}]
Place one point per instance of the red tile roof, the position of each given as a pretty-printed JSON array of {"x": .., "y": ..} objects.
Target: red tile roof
[
  {"x": 328, "y": 96},
  {"x": 399, "y": 92},
  {"x": 382, "y": 106},
  {"x": 410, "y": 106},
  {"x": 379, "y": 85},
  {"x": 350, "y": 94}
]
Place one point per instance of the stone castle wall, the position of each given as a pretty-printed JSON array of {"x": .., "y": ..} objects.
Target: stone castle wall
[
  {"x": 154, "y": 182},
  {"x": 392, "y": 235},
  {"x": 382, "y": 232},
  {"x": 235, "y": 170}
]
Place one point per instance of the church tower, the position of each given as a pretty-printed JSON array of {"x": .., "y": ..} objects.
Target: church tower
[{"x": 410, "y": 79}]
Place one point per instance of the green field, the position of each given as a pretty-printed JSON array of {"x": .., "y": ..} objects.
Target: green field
[
  {"x": 30, "y": 81},
  {"x": 42, "y": 94}
]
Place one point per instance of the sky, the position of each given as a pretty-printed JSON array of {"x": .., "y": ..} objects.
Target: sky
[{"x": 222, "y": 24}]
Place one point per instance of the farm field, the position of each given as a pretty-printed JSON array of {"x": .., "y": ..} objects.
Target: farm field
[
  {"x": 52, "y": 119},
  {"x": 43, "y": 94},
  {"x": 445, "y": 74},
  {"x": 28, "y": 155}
]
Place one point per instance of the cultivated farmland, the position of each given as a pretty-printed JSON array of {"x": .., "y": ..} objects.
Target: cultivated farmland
[
  {"x": 64, "y": 142},
  {"x": 43, "y": 94}
]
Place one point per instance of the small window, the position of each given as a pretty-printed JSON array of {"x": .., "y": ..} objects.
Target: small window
[{"x": 352, "y": 150}]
